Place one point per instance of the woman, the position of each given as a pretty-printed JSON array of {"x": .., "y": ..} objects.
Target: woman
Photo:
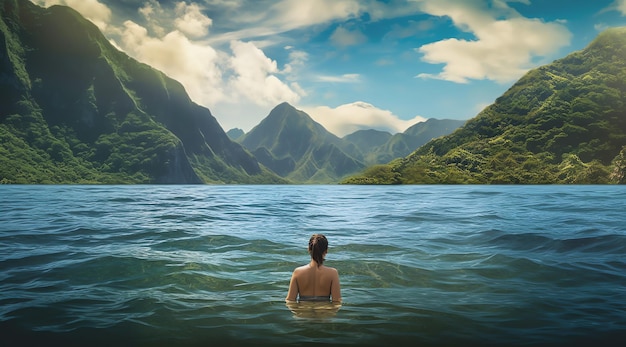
[{"x": 314, "y": 281}]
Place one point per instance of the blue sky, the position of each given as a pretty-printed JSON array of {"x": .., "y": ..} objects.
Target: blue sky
[{"x": 350, "y": 64}]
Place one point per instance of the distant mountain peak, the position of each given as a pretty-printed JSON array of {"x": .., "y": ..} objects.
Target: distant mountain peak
[
  {"x": 282, "y": 109},
  {"x": 284, "y": 104},
  {"x": 285, "y": 109},
  {"x": 293, "y": 145}
]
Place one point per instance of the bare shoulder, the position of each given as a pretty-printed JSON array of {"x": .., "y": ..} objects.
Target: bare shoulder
[
  {"x": 331, "y": 269},
  {"x": 301, "y": 268}
]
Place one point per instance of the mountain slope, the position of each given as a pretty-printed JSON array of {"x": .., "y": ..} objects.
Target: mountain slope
[
  {"x": 368, "y": 140},
  {"x": 75, "y": 109},
  {"x": 380, "y": 147},
  {"x": 561, "y": 123},
  {"x": 419, "y": 134},
  {"x": 294, "y": 146}
]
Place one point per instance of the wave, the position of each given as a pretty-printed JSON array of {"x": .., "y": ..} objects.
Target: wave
[{"x": 199, "y": 265}]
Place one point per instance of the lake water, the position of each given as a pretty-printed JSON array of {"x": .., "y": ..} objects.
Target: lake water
[{"x": 210, "y": 265}]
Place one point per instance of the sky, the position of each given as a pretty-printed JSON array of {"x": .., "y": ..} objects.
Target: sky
[{"x": 349, "y": 64}]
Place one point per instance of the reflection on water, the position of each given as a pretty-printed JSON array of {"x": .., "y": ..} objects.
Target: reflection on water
[{"x": 313, "y": 310}]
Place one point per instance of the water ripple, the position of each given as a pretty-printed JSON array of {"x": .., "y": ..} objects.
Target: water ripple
[{"x": 193, "y": 265}]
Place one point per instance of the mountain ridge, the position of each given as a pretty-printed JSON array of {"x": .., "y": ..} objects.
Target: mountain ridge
[
  {"x": 290, "y": 143},
  {"x": 293, "y": 145},
  {"x": 401, "y": 144}
]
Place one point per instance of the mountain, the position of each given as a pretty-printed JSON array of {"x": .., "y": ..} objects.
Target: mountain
[
  {"x": 295, "y": 147},
  {"x": 368, "y": 140},
  {"x": 235, "y": 133},
  {"x": 432, "y": 128},
  {"x": 76, "y": 110},
  {"x": 291, "y": 144},
  {"x": 403, "y": 144},
  {"x": 380, "y": 147},
  {"x": 564, "y": 122}
]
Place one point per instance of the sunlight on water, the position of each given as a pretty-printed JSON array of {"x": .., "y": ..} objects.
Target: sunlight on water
[{"x": 199, "y": 265}]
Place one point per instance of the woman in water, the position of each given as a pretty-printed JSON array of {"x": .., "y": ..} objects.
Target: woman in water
[{"x": 314, "y": 281}]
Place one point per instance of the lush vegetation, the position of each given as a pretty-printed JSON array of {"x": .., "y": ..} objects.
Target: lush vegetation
[
  {"x": 561, "y": 123},
  {"x": 76, "y": 110},
  {"x": 294, "y": 146},
  {"x": 375, "y": 148},
  {"x": 297, "y": 148}
]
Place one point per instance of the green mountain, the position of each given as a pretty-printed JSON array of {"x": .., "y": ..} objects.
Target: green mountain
[
  {"x": 367, "y": 142},
  {"x": 235, "y": 133},
  {"x": 297, "y": 148},
  {"x": 432, "y": 128},
  {"x": 73, "y": 109},
  {"x": 379, "y": 147},
  {"x": 561, "y": 123}
]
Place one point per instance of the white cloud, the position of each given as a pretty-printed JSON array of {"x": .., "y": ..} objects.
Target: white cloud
[
  {"x": 196, "y": 66},
  {"x": 93, "y": 10},
  {"x": 191, "y": 21},
  {"x": 244, "y": 75},
  {"x": 297, "y": 59},
  {"x": 503, "y": 49},
  {"x": 291, "y": 14},
  {"x": 242, "y": 78},
  {"x": 254, "y": 76},
  {"x": 184, "y": 17},
  {"x": 237, "y": 80},
  {"x": 153, "y": 13},
  {"x": 343, "y": 37},
  {"x": 348, "y": 118},
  {"x": 256, "y": 19}
]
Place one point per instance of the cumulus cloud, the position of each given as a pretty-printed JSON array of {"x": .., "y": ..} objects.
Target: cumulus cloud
[
  {"x": 169, "y": 40},
  {"x": 184, "y": 17},
  {"x": 255, "y": 76},
  {"x": 348, "y": 118},
  {"x": 227, "y": 72},
  {"x": 503, "y": 49},
  {"x": 153, "y": 14},
  {"x": 93, "y": 10},
  {"x": 211, "y": 76},
  {"x": 191, "y": 21},
  {"x": 196, "y": 66}
]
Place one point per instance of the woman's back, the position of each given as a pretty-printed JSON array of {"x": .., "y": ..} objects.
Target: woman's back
[{"x": 315, "y": 281}]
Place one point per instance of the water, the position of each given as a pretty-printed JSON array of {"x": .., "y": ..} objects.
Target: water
[{"x": 210, "y": 265}]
